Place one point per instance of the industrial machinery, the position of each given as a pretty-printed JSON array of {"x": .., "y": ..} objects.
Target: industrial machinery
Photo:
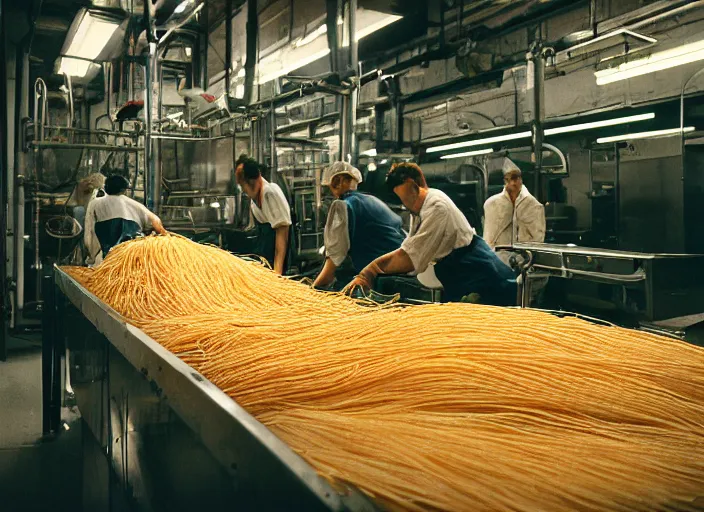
[{"x": 161, "y": 436}]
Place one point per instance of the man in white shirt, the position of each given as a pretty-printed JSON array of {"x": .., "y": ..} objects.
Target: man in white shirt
[
  {"x": 464, "y": 263},
  {"x": 270, "y": 210},
  {"x": 116, "y": 218},
  {"x": 513, "y": 215},
  {"x": 359, "y": 225}
]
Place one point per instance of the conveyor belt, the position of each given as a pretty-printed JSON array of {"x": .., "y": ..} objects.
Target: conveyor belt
[{"x": 264, "y": 473}]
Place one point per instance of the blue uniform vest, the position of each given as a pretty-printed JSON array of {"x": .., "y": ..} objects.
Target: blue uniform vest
[{"x": 373, "y": 228}]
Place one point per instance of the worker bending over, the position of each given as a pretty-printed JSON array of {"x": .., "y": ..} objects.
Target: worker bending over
[
  {"x": 358, "y": 224},
  {"x": 465, "y": 265},
  {"x": 513, "y": 215},
  {"x": 116, "y": 218},
  {"x": 271, "y": 212}
]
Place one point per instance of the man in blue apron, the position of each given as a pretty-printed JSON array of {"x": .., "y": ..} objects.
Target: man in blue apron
[
  {"x": 271, "y": 212},
  {"x": 465, "y": 265},
  {"x": 358, "y": 225},
  {"x": 116, "y": 218}
]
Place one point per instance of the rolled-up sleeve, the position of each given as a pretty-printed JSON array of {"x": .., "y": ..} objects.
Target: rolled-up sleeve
[
  {"x": 276, "y": 209},
  {"x": 424, "y": 244},
  {"x": 89, "y": 237},
  {"x": 337, "y": 236}
]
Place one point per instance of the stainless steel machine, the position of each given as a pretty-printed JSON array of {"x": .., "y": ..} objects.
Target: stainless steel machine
[
  {"x": 161, "y": 436},
  {"x": 648, "y": 287}
]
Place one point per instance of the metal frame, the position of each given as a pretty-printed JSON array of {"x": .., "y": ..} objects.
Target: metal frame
[{"x": 257, "y": 462}]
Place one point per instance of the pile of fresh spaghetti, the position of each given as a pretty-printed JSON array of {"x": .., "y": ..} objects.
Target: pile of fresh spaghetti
[{"x": 442, "y": 407}]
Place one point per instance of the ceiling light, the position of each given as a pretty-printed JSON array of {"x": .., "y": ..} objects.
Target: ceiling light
[
  {"x": 371, "y": 167},
  {"x": 189, "y": 51},
  {"x": 386, "y": 20},
  {"x": 88, "y": 41},
  {"x": 322, "y": 29},
  {"x": 215, "y": 204},
  {"x": 369, "y": 152},
  {"x": 292, "y": 67},
  {"x": 644, "y": 135},
  {"x": 599, "y": 124},
  {"x": 656, "y": 62},
  {"x": 480, "y": 142},
  {"x": 441, "y": 106},
  {"x": 182, "y": 6},
  {"x": 384, "y": 161},
  {"x": 468, "y": 153}
]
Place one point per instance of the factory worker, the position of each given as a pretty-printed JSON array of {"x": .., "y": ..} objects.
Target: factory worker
[
  {"x": 271, "y": 212},
  {"x": 116, "y": 218},
  {"x": 358, "y": 225},
  {"x": 513, "y": 215},
  {"x": 465, "y": 265}
]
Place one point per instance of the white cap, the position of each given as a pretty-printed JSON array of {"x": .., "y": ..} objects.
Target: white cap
[
  {"x": 509, "y": 167},
  {"x": 341, "y": 168}
]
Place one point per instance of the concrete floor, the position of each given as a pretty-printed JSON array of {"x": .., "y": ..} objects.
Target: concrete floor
[{"x": 35, "y": 474}]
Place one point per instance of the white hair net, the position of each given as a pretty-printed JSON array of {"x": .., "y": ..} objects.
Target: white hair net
[{"x": 341, "y": 168}]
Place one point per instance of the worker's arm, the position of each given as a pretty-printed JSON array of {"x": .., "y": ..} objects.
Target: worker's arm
[
  {"x": 281, "y": 248},
  {"x": 396, "y": 262},
  {"x": 327, "y": 275},
  {"x": 158, "y": 226}
]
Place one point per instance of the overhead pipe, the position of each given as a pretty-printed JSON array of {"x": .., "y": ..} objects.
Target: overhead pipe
[
  {"x": 251, "y": 51},
  {"x": 21, "y": 113},
  {"x": 4, "y": 192},
  {"x": 228, "y": 46}
]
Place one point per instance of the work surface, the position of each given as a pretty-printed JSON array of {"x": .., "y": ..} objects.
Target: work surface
[{"x": 451, "y": 407}]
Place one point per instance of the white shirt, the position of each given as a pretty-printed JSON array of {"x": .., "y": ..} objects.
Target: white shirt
[
  {"x": 275, "y": 209},
  {"x": 112, "y": 207},
  {"x": 336, "y": 234},
  {"x": 507, "y": 223},
  {"x": 438, "y": 229}
]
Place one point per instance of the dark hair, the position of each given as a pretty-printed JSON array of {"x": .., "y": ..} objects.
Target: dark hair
[
  {"x": 250, "y": 169},
  {"x": 403, "y": 171},
  {"x": 241, "y": 159},
  {"x": 116, "y": 184}
]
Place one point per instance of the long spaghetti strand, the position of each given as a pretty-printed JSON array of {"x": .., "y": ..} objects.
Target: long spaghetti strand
[{"x": 434, "y": 407}]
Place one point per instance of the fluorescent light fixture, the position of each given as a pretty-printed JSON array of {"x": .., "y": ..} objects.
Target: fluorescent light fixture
[
  {"x": 385, "y": 21},
  {"x": 369, "y": 152},
  {"x": 215, "y": 204},
  {"x": 322, "y": 29},
  {"x": 175, "y": 116},
  {"x": 189, "y": 51},
  {"x": 384, "y": 161},
  {"x": 292, "y": 67},
  {"x": 89, "y": 39},
  {"x": 645, "y": 135},
  {"x": 600, "y": 124},
  {"x": 182, "y": 6},
  {"x": 656, "y": 62},
  {"x": 480, "y": 142},
  {"x": 441, "y": 106},
  {"x": 468, "y": 153}
]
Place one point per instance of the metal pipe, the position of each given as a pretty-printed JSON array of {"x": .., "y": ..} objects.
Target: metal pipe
[
  {"x": 67, "y": 145},
  {"x": 20, "y": 165},
  {"x": 272, "y": 143},
  {"x": 228, "y": 45},
  {"x": 203, "y": 48},
  {"x": 168, "y": 34},
  {"x": 251, "y": 51},
  {"x": 39, "y": 92},
  {"x": 69, "y": 87},
  {"x": 354, "y": 45},
  {"x": 4, "y": 192},
  {"x": 195, "y": 139},
  {"x": 331, "y": 9}
]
